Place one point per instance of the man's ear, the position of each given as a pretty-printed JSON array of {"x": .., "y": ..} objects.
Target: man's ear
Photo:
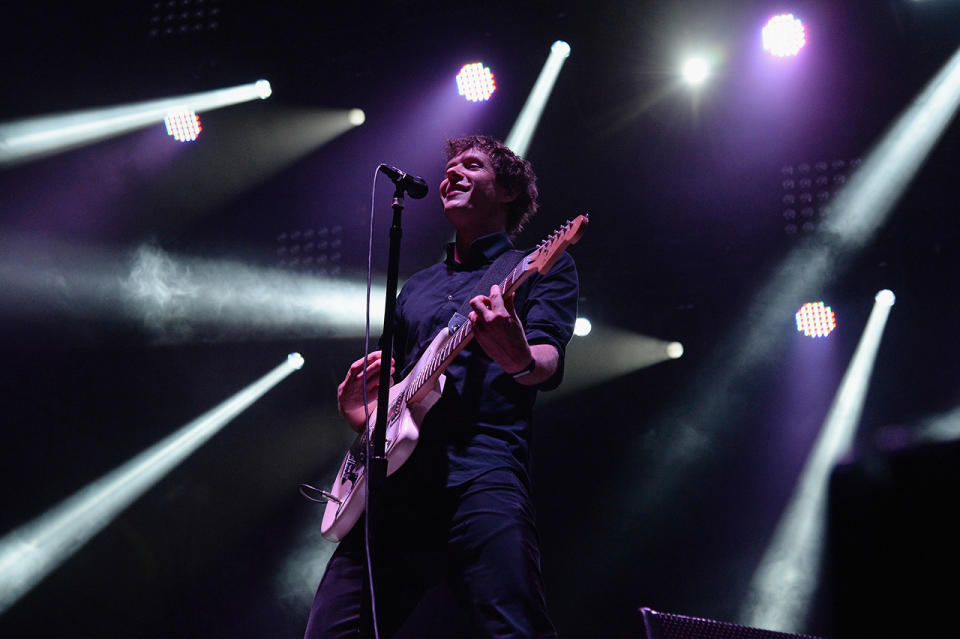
[{"x": 508, "y": 195}]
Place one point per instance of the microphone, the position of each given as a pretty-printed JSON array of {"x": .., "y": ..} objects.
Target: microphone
[{"x": 414, "y": 186}]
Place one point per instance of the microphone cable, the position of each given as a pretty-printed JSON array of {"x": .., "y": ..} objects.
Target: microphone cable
[{"x": 366, "y": 412}]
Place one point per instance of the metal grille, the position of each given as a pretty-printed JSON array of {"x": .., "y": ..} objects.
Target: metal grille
[{"x": 662, "y": 625}]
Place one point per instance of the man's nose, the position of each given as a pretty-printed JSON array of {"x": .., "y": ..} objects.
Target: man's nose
[{"x": 453, "y": 175}]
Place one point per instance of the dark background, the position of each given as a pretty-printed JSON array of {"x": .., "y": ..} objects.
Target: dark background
[{"x": 685, "y": 195}]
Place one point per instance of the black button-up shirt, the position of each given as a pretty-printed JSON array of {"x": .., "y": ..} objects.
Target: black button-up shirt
[{"x": 484, "y": 419}]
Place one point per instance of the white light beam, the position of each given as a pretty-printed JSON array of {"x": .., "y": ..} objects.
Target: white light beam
[
  {"x": 179, "y": 298},
  {"x": 45, "y": 135},
  {"x": 526, "y": 124},
  {"x": 783, "y": 585},
  {"x": 29, "y": 553},
  {"x": 877, "y": 186}
]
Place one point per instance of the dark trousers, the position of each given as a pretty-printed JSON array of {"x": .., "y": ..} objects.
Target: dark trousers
[{"x": 478, "y": 537}]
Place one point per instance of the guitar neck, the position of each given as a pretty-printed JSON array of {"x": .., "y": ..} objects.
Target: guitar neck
[
  {"x": 541, "y": 259},
  {"x": 459, "y": 340}
]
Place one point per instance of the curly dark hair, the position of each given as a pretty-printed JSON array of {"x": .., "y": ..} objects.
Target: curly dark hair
[{"x": 513, "y": 173}]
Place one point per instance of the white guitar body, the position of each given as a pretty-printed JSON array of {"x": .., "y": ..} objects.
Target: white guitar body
[
  {"x": 403, "y": 432},
  {"x": 415, "y": 395}
]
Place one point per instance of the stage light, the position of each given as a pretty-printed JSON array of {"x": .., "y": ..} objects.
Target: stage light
[
  {"x": 783, "y": 585},
  {"x": 263, "y": 89},
  {"x": 318, "y": 250},
  {"x": 809, "y": 192},
  {"x": 475, "y": 82},
  {"x": 45, "y": 135},
  {"x": 784, "y": 35},
  {"x": 295, "y": 360},
  {"x": 581, "y": 327},
  {"x": 356, "y": 117},
  {"x": 695, "y": 71},
  {"x": 561, "y": 48},
  {"x": 183, "y": 125},
  {"x": 29, "y": 553},
  {"x": 168, "y": 20},
  {"x": 816, "y": 320},
  {"x": 674, "y": 350},
  {"x": 526, "y": 123},
  {"x": 886, "y": 297}
]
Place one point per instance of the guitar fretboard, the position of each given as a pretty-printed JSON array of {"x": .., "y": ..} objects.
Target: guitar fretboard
[
  {"x": 459, "y": 340},
  {"x": 442, "y": 357}
]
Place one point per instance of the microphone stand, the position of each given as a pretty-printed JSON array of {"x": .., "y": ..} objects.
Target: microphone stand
[{"x": 378, "y": 462}]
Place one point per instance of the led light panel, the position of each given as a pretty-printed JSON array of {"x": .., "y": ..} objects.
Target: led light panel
[
  {"x": 784, "y": 35},
  {"x": 816, "y": 320},
  {"x": 183, "y": 125},
  {"x": 475, "y": 82}
]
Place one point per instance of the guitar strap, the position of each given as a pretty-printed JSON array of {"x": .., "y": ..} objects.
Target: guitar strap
[{"x": 495, "y": 275}]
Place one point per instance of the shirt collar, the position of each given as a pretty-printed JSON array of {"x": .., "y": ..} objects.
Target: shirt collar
[{"x": 484, "y": 250}]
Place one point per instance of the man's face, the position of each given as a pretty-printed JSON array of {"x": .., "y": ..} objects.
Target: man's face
[{"x": 470, "y": 193}]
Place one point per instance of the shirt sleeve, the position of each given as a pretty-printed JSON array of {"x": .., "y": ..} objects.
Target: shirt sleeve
[{"x": 549, "y": 311}]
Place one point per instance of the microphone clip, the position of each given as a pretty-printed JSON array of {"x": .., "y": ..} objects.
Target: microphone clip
[{"x": 415, "y": 187}]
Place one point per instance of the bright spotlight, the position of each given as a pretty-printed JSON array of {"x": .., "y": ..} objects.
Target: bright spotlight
[
  {"x": 30, "y": 552},
  {"x": 695, "y": 71},
  {"x": 263, "y": 89},
  {"x": 475, "y": 82},
  {"x": 582, "y": 327},
  {"x": 295, "y": 360},
  {"x": 183, "y": 125},
  {"x": 522, "y": 132},
  {"x": 886, "y": 297},
  {"x": 674, "y": 350},
  {"x": 816, "y": 320},
  {"x": 560, "y": 48},
  {"x": 784, "y": 35},
  {"x": 356, "y": 117}
]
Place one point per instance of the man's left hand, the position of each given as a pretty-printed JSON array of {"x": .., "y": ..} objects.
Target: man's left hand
[{"x": 499, "y": 331}]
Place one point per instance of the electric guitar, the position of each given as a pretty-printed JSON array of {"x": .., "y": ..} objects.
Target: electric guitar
[{"x": 411, "y": 398}]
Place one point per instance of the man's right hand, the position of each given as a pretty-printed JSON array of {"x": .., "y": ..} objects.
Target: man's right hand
[{"x": 350, "y": 390}]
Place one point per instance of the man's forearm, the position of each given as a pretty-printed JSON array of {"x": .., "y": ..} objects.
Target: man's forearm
[{"x": 546, "y": 360}]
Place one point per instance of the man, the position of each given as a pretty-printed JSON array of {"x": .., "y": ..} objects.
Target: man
[{"x": 460, "y": 510}]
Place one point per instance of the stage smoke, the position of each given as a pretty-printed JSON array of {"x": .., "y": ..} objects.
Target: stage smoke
[{"x": 179, "y": 298}]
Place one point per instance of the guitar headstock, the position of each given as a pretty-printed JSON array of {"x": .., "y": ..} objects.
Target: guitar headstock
[{"x": 549, "y": 250}]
